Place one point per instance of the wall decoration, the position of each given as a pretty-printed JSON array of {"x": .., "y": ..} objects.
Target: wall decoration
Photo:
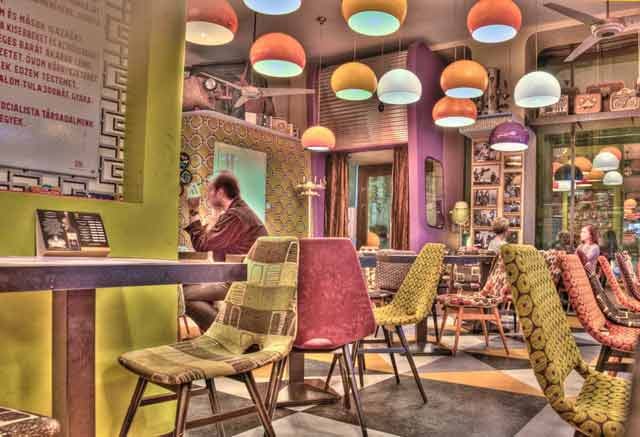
[
  {"x": 625, "y": 100},
  {"x": 482, "y": 152},
  {"x": 484, "y": 198},
  {"x": 486, "y": 174},
  {"x": 495, "y": 99},
  {"x": 588, "y": 103},
  {"x": 560, "y": 108},
  {"x": 484, "y": 217}
]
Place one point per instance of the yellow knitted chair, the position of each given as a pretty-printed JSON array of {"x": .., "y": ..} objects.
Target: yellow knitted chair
[{"x": 602, "y": 405}]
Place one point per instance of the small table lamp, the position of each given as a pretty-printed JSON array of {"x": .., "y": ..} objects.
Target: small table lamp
[{"x": 460, "y": 216}]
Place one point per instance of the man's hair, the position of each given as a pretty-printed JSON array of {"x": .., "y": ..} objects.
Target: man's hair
[
  {"x": 228, "y": 183},
  {"x": 500, "y": 226}
]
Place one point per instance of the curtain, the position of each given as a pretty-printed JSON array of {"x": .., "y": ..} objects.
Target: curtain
[
  {"x": 400, "y": 199},
  {"x": 337, "y": 196}
]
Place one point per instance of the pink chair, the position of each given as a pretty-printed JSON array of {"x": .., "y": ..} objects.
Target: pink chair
[{"x": 334, "y": 309}]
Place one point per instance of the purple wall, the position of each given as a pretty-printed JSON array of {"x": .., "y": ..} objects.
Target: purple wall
[{"x": 425, "y": 140}]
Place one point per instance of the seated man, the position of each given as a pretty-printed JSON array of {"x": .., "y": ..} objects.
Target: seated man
[{"x": 234, "y": 233}]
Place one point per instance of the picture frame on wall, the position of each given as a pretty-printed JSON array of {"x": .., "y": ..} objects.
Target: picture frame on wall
[
  {"x": 485, "y": 198},
  {"x": 483, "y": 238},
  {"x": 482, "y": 152},
  {"x": 512, "y": 187},
  {"x": 486, "y": 174},
  {"x": 484, "y": 217}
]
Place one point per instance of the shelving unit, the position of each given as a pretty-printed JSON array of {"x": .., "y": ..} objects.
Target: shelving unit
[{"x": 583, "y": 118}]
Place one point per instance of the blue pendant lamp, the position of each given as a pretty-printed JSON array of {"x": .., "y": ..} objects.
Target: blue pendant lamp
[{"x": 273, "y": 7}]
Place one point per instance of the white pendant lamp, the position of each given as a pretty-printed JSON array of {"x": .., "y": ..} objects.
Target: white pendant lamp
[
  {"x": 273, "y": 7},
  {"x": 537, "y": 90},
  {"x": 606, "y": 161},
  {"x": 399, "y": 87},
  {"x": 612, "y": 178}
]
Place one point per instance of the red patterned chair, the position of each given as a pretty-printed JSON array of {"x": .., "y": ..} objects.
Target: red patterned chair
[
  {"x": 629, "y": 278},
  {"x": 624, "y": 299},
  {"x": 616, "y": 340}
]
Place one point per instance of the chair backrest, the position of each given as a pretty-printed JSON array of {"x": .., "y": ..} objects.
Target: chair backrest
[
  {"x": 552, "y": 258},
  {"x": 553, "y": 351},
  {"x": 333, "y": 303},
  {"x": 389, "y": 275},
  {"x": 497, "y": 284},
  {"x": 629, "y": 277},
  {"x": 623, "y": 297},
  {"x": 581, "y": 295},
  {"x": 420, "y": 286},
  {"x": 262, "y": 310}
]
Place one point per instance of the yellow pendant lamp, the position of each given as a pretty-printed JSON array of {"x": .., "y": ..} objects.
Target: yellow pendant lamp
[
  {"x": 354, "y": 81},
  {"x": 464, "y": 79},
  {"x": 318, "y": 139},
  {"x": 374, "y": 17}
]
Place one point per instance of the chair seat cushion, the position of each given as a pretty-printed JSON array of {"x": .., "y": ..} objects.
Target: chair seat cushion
[
  {"x": 601, "y": 406},
  {"x": 23, "y": 424},
  {"x": 193, "y": 360},
  {"x": 318, "y": 343},
  {"x": 470, "y": 300},
  {"x": 621, "y": 337},
  {"x": 393, "y": 315}
]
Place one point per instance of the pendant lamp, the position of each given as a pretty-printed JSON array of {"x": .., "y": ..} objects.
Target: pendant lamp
[
  {"x": 612, "y": 178},
  {"x": 374, "y": 17},
  {"x": 318, "y": 139},
  {"x": 450, "y": 112},
  {"x": 606, "y": 161},
  {"x": 509, "y": 136},
  {"x": 630, "y": 204},
  {"x": 211, "y": 23},
  {"x": 273, "y": 7},
  {"x": 537, "y": 90},
  {"x": 494, "y": 21},
  {"x": 354, "y": 81},
  {"x": 464, "y": 79},
  {"x": 278, "y": 55},
  {"x": 595, "y": 175},
  {"x": 583, "y": 164},
  {"x": 564, "y": 173},
  {"x": 399, "y": 87},
  {"x": 614, "y": 150}
]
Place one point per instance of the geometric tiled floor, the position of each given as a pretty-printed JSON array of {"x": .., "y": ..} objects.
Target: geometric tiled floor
[{"x": 480, "y": 392}]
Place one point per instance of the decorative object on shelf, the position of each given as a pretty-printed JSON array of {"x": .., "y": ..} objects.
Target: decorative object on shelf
[
  {"x": 509, "y": 136},
  {"x": 278, "y": 55},
  {"x": 399, "y": 87},
  {"x": 485, "y": 198},
  {"x": 196, "y": 97},
  {"x": 613, "y": 149},
  {"x": 605, "y": 89},
  {"x": 211, "y": 23},
  {"x": 588, "y": 103},
  {"x": 583, "y": 163},
  {"x": 464, "y": 79},
  {"x": 624, "y": 100},
  {"x": 612, "y": 178},
  {"x": 455, "y": 113},
  {"x": 537, "y": 90},
  {"x": 560, "y": 108},
  {"x": 318, "y": 139},
  {"x": 494, "y": 100},
  {"x": 280, "y": 125},
  {"x": 460, "y": 216},
  {"x": 606, "y": 161},
  {"x": 494, "y": 21},
  {"x": 595, "y": 175},
  {"x": 354, "y": 81},
  {"x": 310, "y": 189},
  {"x": 484, "y": 217},
  {"x": 273, "y": 7},
  {"x": 374, "y": 17}
]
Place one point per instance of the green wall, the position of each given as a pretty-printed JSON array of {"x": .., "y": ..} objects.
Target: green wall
[{"x": 143, "y": 226}]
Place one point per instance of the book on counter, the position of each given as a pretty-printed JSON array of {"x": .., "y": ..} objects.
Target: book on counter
[{"x": 70, "y": 233}]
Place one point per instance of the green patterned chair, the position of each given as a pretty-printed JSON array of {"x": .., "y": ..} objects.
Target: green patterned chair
[
  {"x": 255, "y": 327},
  {"x": 602, "y": 405}
]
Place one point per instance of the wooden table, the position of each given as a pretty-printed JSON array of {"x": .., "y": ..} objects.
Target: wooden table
[{"x": 74, "y": 282}]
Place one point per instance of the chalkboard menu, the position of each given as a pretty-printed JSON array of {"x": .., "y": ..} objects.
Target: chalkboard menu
[{"x": 68, "y": 233}]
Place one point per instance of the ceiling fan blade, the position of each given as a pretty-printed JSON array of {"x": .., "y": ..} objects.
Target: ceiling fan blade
[
  {"x": 586, "y": 45},
  {"x": 273, "y": 92},
  {"x": 582, "y": 17}
]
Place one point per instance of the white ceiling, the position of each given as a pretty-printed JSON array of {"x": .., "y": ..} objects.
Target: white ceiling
[{"x": 435, "y": 21}]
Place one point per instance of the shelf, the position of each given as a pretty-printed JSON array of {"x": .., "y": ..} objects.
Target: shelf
[{"x": 583, "y": 118}]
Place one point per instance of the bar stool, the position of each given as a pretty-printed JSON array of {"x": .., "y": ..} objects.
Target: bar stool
[{"x": 25, "y": 424}]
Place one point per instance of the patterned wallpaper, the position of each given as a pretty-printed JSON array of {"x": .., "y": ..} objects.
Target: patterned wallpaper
[
  {"x": 287, "y": 164},
  {"x": 113, "y": 104}
]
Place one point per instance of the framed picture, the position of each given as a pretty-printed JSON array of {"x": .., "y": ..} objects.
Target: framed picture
[
  {"x": 484, "y": 217},
  {"x": 512, "y": 206},
  {"x": 514, "y": 221},
  {"x": 484, "y": 198},
  {"x": 482, "y": 152},
  {"x": 482, "y": 239},
  {"x": 512, "y": 187},
  {"x": 513, "y": 237},
  {"x": 486, "y": 174}
]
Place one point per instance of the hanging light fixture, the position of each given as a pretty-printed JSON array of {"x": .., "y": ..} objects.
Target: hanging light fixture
[
  {"x": 509, "y": 136},
  {"x": 450, "y": 112},
  {"x": 583, "y": 163},
  {"x": 494, "y": 21},
  {"x": 464, "y": 79},
  {"x": 606, "y": 161},
  {"x": 537, "y": 90},
  {"x": 612, "y": 178},
  {"x": 278, "y": 55},
  {"x": 399, "y": 87},
  {"x": 354, "y": 81},
  {"x": 595, "y": 175},
  {"x": 273, "y": 7},
  {"x": 564, "y": 173},
  {"x": 211, "y": 23},
  {"x": 374, "y": 17},
  {"x": 614, "y": 150}
]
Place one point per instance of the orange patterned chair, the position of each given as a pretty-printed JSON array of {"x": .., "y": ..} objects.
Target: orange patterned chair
[
  {"x": 624, "y": 298},
  {"x": 629, "y": 278}
]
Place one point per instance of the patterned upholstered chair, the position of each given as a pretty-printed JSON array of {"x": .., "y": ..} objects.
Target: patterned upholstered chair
[
  {"x": 255, "y": 327},
  {"x": 17, "y": 423},
  {"x": 624, "y": 298},
  {"x": 603, "y": 402},
  {"x": 629, "y": 278},
  {"x": 611, "y": 310},
  {"x": 479, "y": 306}
]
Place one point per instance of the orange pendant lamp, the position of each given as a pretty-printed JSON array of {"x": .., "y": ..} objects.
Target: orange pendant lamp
[
  {"x": 354, "y": 81},
  {"x": 494, "y": 21},
  {"x": 278, "y": 55},
  {"x": 464, "y": 79},
  {"x": 211, "y": 23},
  {"x": 455, "y": 113},
  {"x": 374, "y": 17},
  {"x": 318, "y": 139}
]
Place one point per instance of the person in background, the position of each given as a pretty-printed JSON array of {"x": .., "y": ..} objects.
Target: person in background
[
  {"x": 563, "y": 242},
  {"x": 609, "y": 245},
  {"x": 589, "y": 250},
  {"x": 235, "y": 231},
  {"x": 500, "y": 227}
]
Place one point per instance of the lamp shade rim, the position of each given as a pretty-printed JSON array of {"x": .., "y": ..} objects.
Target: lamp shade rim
[
  {"x": 273, "y": 8},
  {"x": 455, "y": 121},
  {"x": 206, "y": 33},
  {"x": 278, "y": 68},
  {"x": 494, "y": 33},
  {"x": 464, "y": 93},
  {"x": 354, "y": 94},
  {"x": 399, "y": 97},
  {"x": 386, "y": 24},
  {"x": 509, "y": 147}
]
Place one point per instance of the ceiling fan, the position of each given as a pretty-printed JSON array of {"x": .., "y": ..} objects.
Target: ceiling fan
[{"x": 600, "y": 28}]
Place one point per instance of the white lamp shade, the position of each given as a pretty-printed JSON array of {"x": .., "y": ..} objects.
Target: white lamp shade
[
  {"x": 606, "y": 161},
  {"x": 399, "y": 87},
  {"x": 273, "y": 7},
  {"x": 537, "y": 90},
  {"x": 612, "y": 178}
]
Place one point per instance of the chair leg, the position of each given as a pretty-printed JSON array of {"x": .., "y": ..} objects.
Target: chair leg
[
  {"x": 412, "y": 364},
  {"x": 354, "y": 389},
  {"x": 272, "y": 403},
  {"x": 342, "y": 366},
  {"x": 250, "y": 382},
  {"x": 444, "y": 322},
  {"x": 215, "y": 405},
  {"x": 603, "y": 358},
  {"x": 332, "y": 367},
  {"x": 358, "y": 358},
  {"x": 496, "y": 313},
  {"x": 133, "y": 406},
  {"x": 182, "y": 408},
  {"x": 485, "y": 332},
  {"x": 387, "y": 338},
  {"x": 458, "y": 331},
  {"x": 434, "y": 315}
]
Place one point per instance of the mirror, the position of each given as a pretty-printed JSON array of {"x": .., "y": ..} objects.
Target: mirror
[{"x": 434, "y": 193}]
